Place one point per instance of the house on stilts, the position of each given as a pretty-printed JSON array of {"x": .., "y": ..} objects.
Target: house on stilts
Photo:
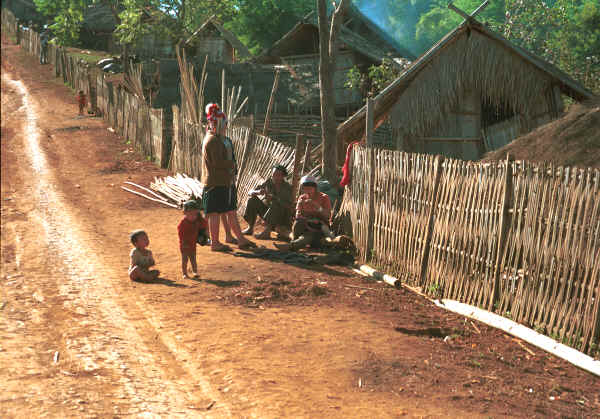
[{"x": 472, "y": 92}]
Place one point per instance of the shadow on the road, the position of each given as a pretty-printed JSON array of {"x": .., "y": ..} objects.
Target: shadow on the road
[
  {"x": 434, "y": 332},
  {"x": 163, "y": 281},
  {"x": 304, "y": 260},
  {"x": 223, "y": 284}
]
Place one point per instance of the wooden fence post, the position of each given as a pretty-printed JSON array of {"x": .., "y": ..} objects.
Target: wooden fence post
[
  {"x": 372, "y": 169},
  {"x": 437, "y": 167},
  {"x": 271, "y": 102},
  {"x": 223, "y": 94},
  {"x": 306, "y": 162},
  {"x": 297, "y": 168},
  {"x": 175, "y": 138},
  {"x": 503, "y": 230}
]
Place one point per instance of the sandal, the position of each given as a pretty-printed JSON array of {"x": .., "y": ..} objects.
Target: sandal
[{"x": 221, "y": 248}]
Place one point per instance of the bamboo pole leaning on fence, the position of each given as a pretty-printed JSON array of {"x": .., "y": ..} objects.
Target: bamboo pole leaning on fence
[
  {"x": 271, "y": 102},
  {"x": 372, "y": 168},
  {"x": 296, "y": 171}
]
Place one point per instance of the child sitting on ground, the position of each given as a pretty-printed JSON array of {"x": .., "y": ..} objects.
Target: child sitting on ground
[
  {"x": 82, "y": 101},
  {"x": 191, "y": 229},
  {"x": 141, "y": 258}
]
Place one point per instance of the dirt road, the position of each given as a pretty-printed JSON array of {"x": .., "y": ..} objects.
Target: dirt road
[{"x": 252, "y": 338}]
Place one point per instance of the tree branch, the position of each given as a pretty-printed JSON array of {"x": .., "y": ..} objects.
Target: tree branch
[{"x": 336, "y": 23}]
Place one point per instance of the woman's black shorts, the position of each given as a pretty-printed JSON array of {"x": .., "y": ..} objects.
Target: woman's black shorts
[{"x": 220, "y": 199}]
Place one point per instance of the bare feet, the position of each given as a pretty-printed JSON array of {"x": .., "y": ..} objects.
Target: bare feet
[
  {"x": 231, "y": 240},
  {"x": 220, "y": 247}
]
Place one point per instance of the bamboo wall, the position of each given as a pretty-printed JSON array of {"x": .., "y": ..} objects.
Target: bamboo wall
[{"x": 516, "y": 238}]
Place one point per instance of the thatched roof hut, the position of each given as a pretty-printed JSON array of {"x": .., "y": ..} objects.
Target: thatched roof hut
[
  {"x": 472, "y": 92},
  {"x": 221, "y": 46}
]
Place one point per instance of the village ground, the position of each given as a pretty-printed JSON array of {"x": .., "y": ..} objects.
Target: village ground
[{"x": 252, "y": 338}]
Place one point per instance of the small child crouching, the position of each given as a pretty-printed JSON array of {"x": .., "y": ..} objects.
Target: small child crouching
[
  {"x": 192, "y": 230},
  {"x": 141, "y": 258}
]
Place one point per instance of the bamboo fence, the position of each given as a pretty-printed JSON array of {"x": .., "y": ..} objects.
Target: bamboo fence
[{"x": 516, "y": 238}]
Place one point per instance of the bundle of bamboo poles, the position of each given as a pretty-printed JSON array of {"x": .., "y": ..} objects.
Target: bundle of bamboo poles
[
  {"x": 192, "y": 94},
  {"x": 230, "y": 107},
  {"x": 133, "y": 80},
  {"x": 171, "y": 191}
]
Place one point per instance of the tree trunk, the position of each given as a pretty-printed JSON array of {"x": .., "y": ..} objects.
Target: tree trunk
[{"x": 328, "y": 31}]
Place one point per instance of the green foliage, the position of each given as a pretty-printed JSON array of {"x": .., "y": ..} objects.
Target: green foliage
[
  {"x": 439, "y": 20},
  {"x": 259, "y": 23},
  {"x": 564, "y": 32},
  {"x": 376, "y": 78},
  {"x": 66, "y": 15}
]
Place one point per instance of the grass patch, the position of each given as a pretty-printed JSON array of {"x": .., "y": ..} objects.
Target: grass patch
[{"x": 92, "y": 59}]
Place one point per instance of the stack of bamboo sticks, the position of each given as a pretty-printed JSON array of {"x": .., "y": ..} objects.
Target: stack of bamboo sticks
[
  {"x": 171, "y": 191},
  {"x": 192, "y": 95}
]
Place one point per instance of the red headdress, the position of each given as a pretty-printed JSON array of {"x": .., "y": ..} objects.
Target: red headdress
[{"x": 213, "y": 112}]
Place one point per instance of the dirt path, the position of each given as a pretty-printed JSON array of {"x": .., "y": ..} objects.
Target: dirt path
[{"x": 251, "y": 339}]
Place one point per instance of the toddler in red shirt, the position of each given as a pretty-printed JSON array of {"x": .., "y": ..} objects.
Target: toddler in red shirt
[
  {"x": 191, "y": 227},
  {"x": 81, "y": 101}
]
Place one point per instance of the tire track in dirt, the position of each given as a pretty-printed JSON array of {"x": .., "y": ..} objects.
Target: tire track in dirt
[{"x": 111, "y": 339}]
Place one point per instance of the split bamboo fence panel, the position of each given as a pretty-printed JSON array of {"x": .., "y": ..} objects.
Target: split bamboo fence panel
[
  {"x": 465, "y": 236},
  {"x": 550, "y": 273},
  {"x": 186, "y": 145},
  {"x": 259, "y": 155},
  {"x": 354, "y": 202},
  {"x": 403, "y": 186}
]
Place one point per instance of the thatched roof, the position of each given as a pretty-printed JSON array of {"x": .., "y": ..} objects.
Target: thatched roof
[
  {"x": 305, "y": 34},
  {"x": 473, "y": 56},
  {"x": 227, "y": 35}
]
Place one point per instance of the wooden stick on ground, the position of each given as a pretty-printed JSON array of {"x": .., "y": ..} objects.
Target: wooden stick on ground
[
  {"x": 150, "y": 198},
  {"x": 475, "y": 327}
]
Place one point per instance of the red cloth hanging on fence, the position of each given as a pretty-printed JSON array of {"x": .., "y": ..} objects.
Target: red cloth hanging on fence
[{"x": 346, "y": 168}]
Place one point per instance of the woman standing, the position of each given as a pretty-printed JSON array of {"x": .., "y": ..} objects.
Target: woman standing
[{"x": 218, "y": 170}]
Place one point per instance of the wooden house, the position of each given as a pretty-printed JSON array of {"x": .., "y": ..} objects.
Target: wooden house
[
  {"x": 97, "y": 29},
  {"x": 472, "y": 92},
  {"x": 221, "y": 46},
  {"x": 361, "y": 45}
]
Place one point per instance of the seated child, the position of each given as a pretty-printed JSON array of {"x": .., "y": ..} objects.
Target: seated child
[
  {"x": 191, "y": 229},
  {"x": 141, "y": 258}
]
